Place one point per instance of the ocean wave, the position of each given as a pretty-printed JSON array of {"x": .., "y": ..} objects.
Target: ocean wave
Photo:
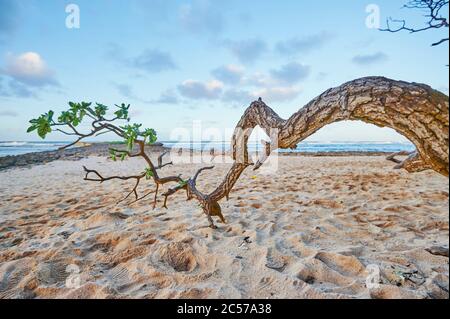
[
  {"x": 12, "y": 144},
  {"x": 29, "y": 144}
]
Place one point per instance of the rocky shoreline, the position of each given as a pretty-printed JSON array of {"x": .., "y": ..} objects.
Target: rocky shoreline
[
  {"x": 102, "y": 149},
  {"x": 72, "y": 154}
]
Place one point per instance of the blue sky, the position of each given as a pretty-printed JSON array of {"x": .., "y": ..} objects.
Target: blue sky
[{"x": 179, "y": 61}]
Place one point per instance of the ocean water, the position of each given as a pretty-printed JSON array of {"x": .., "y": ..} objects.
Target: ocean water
[
  {"x": 17, "y": 147},
  {"x": 311, "y": 147}
]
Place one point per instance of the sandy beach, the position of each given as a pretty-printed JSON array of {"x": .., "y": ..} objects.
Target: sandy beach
[{"x": 318, "y": 229}]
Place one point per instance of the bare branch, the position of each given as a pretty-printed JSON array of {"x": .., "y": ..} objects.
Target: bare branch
[
  {"x": 435, "y": 18},
  {"x": 160, "y": 160},
  {"x": 392, "y": 156}
]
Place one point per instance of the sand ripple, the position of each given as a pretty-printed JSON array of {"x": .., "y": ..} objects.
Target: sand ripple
[{"x": 315, "y": 230}]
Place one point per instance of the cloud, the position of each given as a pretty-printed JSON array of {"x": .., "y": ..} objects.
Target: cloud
[
  {"x": 153, "y": 61},
  {"x": 201, "y": 90},
  {"x": 287, "y": 74},
  {"x": 277, "y": 94},
  {"x": 8, "y": 114},
  {"x": 15, "y": 89},
  {"x": 292, "y": 72},
  {"x": 370, "y": 58},
  {"x": 306, "y": 44},
  {"x": 271, "y": 94},
  {"x": 150, "y": 60},
  {"x": 18, "y": 89},
  {"x": 259, "y": 79},
  {"x": 237, "y": 95},
  {"x": 230, "y": 74},
  {"x": 27, "y": 74},
  {"x": 8, "y": 18},
  {"x": 201, "y": 17},
  {"x": 125, "y": 90},
  {"x": 247, "y": 51},
  {"x": 167, "y": 97},
  {"x": 29, "y": 68}
]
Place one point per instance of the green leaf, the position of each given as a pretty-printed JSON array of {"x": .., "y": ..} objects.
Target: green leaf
[
  {"x": 42, "y": 124},
  {"x": 148, "y": 173},
  {"x": 31, "y": 128},
  {"x": 149, "y": 135},
  {"x": 50, "y": 115},
  {"x": 66, "y": 117},
  {"x": 131, "y": 132},
  {"x": 43, "y": 130},
  {"x": 75, "y": 122},
  {"x": 100, "y": 109},
  {"x": 122, "y": 113},
  {"x": 183, "y": 183},
  {"x": 113, "y": 154}
]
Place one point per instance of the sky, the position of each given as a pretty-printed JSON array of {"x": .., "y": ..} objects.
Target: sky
[{"x": 179, "y": 61}]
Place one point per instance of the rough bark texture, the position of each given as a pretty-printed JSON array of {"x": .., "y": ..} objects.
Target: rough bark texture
[{"x": 416, "y": 111}]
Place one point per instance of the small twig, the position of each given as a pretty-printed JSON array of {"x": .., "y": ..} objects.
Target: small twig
[{"x": 392, "y": 156}]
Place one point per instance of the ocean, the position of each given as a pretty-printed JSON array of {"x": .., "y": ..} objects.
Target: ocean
[{"x": 17, "y": 147}]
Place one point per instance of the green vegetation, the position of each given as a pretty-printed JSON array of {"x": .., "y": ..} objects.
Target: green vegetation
[{"x": 69, "y": 121}]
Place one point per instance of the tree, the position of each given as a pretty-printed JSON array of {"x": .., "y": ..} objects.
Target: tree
[
  {"x": 435, "y": 19},
  {"x": 414, "y": 110}
]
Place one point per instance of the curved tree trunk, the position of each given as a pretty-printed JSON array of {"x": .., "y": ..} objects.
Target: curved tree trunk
[{"x": 416, "y": 111}]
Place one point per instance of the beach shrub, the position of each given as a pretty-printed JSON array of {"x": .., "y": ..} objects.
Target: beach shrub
[{"x": 70, "y": 119}]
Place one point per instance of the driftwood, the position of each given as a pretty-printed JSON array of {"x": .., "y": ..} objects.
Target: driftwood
[{"x": 416, "y": 111}]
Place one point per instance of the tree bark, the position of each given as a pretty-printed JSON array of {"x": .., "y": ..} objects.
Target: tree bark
[{"x": 416, "y": 111}]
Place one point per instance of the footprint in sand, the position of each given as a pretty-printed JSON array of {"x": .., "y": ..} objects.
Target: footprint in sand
[
  {"x": 50, "y": 273},
  {"x": 178, "y": 256}
]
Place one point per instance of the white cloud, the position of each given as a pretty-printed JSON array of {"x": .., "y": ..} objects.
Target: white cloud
[
  {"x": 29, "y": 68},
  {"x": 149, "y": 60},
  {"x": 269, "y": 95},
  {"x": 167, "y": 97},
  {"x": 230, "y": 74},
  {"x": 201, "y": 90},
  {"x": 237, "y": 95},
  {"x": 287, "y": 74},
  {"x": 277, "y": 94},
  {"x": 292, "y": 72},
  {"x": 303, "y": 45},
  {"x": 8, "y": 114},
  {"x": 249, "y": 50},
  {"x": 153, "y": 61},
  {"x": 259, "y": 79},
  {"x": 370, "y": 58}
]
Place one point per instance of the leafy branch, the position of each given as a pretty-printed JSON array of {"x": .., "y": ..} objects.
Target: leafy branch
[{"x": 69, "y": 123}]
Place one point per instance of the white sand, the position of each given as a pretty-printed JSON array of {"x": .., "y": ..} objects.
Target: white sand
[{"x": 314, "y": 231}]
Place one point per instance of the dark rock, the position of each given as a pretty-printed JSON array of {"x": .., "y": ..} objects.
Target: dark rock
[{"x": 72, "y": 154}]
